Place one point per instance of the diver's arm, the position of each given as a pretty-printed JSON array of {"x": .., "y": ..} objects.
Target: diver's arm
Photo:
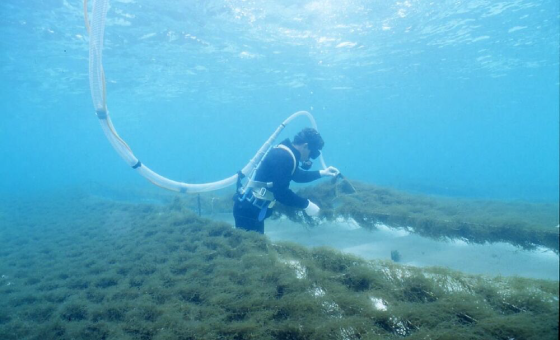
[
  {"x": 281, "y": 169},
  {"x": 290, "y": 198},
  {"x": 302, "y": 176}
]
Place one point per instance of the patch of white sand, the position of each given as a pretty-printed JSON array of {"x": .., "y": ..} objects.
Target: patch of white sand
[{"x": 491, "y": 259}]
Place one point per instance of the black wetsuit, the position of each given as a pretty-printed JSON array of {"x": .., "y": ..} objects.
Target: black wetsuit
[{"x": 277, "y": 168}]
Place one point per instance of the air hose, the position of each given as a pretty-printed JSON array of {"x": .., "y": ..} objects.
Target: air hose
[{"x": 96, "y": 30}]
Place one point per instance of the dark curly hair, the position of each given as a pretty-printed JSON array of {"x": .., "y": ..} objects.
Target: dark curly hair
[{"x": 311, "y": 137}]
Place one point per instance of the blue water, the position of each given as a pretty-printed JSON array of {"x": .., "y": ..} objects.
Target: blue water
[{"x": 459, "y": 98}]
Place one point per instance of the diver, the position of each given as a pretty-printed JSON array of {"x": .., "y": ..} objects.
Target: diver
[{"x": 271, "y": 181}]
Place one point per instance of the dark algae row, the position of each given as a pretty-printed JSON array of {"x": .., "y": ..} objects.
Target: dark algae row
[
  {"x": 527, "y": 225},
  {"x": 79, "y": 267},
  {"x": 524, "y": 224}
]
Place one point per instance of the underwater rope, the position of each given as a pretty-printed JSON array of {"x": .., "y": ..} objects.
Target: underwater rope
[{"x": 98, "y": 90}]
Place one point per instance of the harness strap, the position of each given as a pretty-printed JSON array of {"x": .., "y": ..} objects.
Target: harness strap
[
  {"x": 284, "y": 147},
  {"x": 257, "y": 192},
  {"x": 260, "y": 190},
  {"x": 240, "y": 176}
]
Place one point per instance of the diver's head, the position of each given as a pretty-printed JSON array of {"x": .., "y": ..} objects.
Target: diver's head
[{"x": 309, "y": 143}]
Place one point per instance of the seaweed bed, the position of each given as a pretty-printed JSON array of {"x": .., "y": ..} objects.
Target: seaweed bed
[
  {"x": 80, "y": 267},
  {"x": 523, "y": 224}
]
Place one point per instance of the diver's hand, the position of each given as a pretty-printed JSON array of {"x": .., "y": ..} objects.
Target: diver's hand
[
  {"x": 330, "y": 171},
  {"x": 312, "y": 209}
]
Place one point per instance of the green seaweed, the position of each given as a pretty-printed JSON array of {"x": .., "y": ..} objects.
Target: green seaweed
[
  {"x": 523, "y": 224},
  {"x": 161, "y": 272}
]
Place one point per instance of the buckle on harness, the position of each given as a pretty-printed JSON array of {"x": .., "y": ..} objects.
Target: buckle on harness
[
  {"x": 260, "y": 203},
  {"x": 262, "y": 192}
]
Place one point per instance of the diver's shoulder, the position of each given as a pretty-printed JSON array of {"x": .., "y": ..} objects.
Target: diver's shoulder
[{"x": 278, "y": 152}]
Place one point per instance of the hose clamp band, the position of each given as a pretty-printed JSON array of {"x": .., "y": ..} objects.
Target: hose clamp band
[{"x": 101, "y": 114}]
